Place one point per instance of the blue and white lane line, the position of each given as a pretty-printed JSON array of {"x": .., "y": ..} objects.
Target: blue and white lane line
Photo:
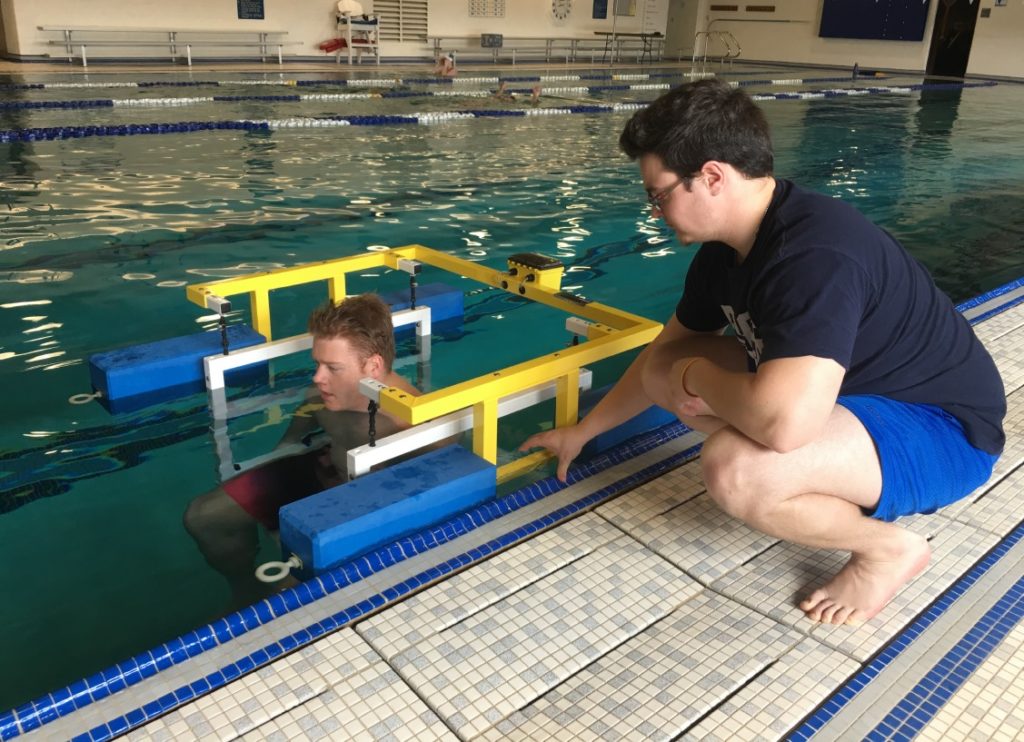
[
  {"x": 296, "y": 97},
  {"x": 396, "y": 81},
  {"x": 434, "y": 117}
]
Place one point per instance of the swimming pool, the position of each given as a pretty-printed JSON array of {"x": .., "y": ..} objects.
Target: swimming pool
[{"x": 100, "y": 234}]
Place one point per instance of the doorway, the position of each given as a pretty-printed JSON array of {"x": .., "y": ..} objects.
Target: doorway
[
  {"x": 680, "y": 28},
  {"x": 3, "y": 31},
  {"x": 951, "y": 37}
]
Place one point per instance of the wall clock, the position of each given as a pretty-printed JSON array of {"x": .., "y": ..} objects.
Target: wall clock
[{"x": 561, "y": 9}]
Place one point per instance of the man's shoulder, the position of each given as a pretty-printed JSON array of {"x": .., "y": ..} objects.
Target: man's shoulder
[
  {"x": 810, "y": 224},
  {"x": 801, "y": 205}
]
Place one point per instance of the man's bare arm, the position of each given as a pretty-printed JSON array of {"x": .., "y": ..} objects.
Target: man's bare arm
[{"x": 784, "y": 406}]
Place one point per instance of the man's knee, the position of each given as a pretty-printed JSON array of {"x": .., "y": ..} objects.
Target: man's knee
[
  {"x": 206, "y": 513},
  {"x": 727, "y": 468}
]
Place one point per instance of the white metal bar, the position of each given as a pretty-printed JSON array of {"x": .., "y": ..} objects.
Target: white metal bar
[
  {"x": 420, "y": 316},
  {"x": 364, "y": 458},
  {"x": 216, "y": 365},
  {"x": 85, "y": 62}
]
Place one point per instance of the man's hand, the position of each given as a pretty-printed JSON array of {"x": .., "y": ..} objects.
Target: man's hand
[{"x": 565, "y": 443}]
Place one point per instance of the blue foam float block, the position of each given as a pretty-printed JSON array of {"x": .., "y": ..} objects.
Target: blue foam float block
[
  {"x": 334, "y": 526},
  {"x": 445, "y": 302},
  {"x": 163, "y": 364},
  {"x": 651, "y": 418}
]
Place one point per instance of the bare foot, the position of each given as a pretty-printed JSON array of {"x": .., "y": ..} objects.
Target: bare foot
[{"x": 864, "y": 585}]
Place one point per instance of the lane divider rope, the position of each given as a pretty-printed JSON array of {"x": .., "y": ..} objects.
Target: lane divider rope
[
  {"x": 70, "y": 132},
  {"x": 295, "y": 97},
  {"x": 393, "y": 82}
]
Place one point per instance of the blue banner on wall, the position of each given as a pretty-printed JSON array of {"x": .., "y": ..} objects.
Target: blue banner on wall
[
  {"x": 893, "y": 20},
  {"x": 250, "y": 9},
  {"x": 600, "y": 8}
]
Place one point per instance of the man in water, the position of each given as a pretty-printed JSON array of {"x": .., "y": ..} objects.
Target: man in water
[
  {"x": 852, "y": 393},
  {"x": 446, "y": 65},
  {"x": 352, "y": 340}
]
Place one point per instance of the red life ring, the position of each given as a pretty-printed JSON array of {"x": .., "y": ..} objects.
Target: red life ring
[{"x": 332, "y": 45}]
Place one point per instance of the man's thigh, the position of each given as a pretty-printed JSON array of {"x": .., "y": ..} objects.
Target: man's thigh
[{"x": 842, "y": 462}]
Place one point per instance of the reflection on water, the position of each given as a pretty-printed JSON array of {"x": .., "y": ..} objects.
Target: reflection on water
[{"x": 95, "y": 232}]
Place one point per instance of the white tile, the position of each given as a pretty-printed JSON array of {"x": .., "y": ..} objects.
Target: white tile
[
  {"x": 661, "y": 681},
  {"x": 479, "y": 671}
]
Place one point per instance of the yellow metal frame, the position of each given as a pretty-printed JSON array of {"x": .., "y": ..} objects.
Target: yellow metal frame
[{"x": 611, "y": 332}]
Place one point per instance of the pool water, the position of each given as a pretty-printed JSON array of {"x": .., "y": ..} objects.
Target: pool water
[{"x": 101, "y": 234}]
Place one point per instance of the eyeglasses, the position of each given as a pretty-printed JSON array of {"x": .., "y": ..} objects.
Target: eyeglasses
[{"x": 657, "y": 199}]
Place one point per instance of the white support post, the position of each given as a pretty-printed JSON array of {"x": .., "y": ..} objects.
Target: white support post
[
  {"x": 188, "y": 52},
  {"x": 85, "y": 62}
]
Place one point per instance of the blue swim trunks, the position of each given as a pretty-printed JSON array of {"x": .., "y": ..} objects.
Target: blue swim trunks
[{"x": 926, "y": 460}]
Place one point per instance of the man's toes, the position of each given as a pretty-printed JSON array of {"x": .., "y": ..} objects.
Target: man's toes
[
  {"x": 841, "y": 615},
  {"x": 816, "y": 611},
  {"x": 856, "y": 618},
  {"x": 829, "y": 614},
  {"x": 808, "y": 604}
]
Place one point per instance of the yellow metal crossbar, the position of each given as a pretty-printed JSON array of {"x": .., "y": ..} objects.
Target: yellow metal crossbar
[{"x": 613, "y": 331}]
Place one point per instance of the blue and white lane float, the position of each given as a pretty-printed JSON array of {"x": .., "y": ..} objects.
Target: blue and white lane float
[
  {"x": 435, "y": 117},
  {"x": 395, "y": 81},
  {"x": 340, "y": 97}
]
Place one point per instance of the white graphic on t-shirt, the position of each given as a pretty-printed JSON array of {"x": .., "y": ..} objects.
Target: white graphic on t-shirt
[{"x": 746, "y": 331}]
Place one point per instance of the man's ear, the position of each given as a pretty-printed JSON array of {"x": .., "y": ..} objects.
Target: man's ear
[
  {"x": 374, "y": 366},
  {"x": 714, "y": 176}
]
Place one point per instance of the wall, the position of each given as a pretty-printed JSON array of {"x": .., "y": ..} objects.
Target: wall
[
  {"x": 790, "y": 34},
  {"x": 533, "y": 19},
  {"x": 307, "y": 21},
  {"x": 310, "y": 21},
  {"x": 997, "y": 48}
]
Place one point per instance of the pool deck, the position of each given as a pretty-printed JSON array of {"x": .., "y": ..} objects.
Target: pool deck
[{"x": 626, "y": 606}]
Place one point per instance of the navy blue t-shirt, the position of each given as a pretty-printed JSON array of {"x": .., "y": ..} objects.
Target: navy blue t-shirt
[{"x": 821, "y": 280}]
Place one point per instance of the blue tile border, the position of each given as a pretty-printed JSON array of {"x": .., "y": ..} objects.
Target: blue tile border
[
  {"x": 827, "y": 711},
  {"x": 920, "y": 705},
  {"x": 83, "y": 692},
  {"x": 988, "y": 296},
  {"x": 1009, "y": 304}
]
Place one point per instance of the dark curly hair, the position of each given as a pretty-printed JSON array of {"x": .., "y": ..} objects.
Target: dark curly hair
[{"x": 701, "y": 121}]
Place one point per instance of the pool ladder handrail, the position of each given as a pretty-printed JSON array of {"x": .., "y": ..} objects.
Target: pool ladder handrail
[{"x": 727, "y": 39}]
